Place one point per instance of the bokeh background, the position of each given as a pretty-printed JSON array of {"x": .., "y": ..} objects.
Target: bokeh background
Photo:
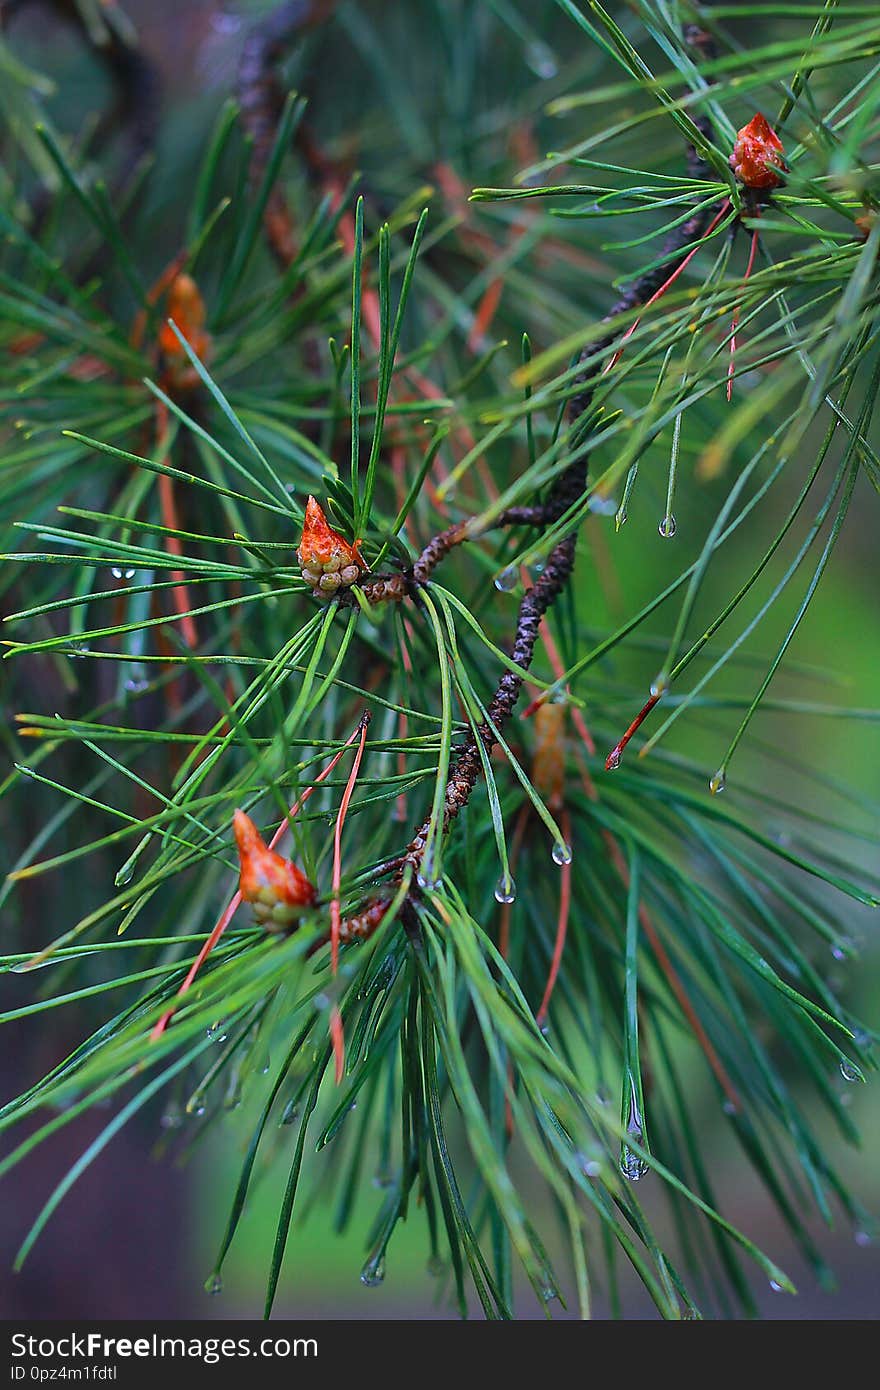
[{"x": 137, "y": 1235}]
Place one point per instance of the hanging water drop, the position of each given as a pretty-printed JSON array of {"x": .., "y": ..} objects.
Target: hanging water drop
[
  {"x": 123, "y": 573},
  {"x": 125, "y": 874},
  {"x": 842, "y": 948},
  {"x": 172, "y": 1118},
  {"x": 507, "y": 579},
  {"x": 136, "y": 685},
  {"x": 427, "y": 881},
  {"x": 373, "y": 1272},
  {"x": 290, "y": 1113},
  {"x": 213, "y": 1031},
  {"x": 600, "y": 505},
  {"x": 667, "y": 527},
  {"x": 436, "y": 1267},
  {"x": 863, "y": 1238},
  {"x": 232, "y": 1099},
  {"x": 849, "y": 1071},
  {"x": 505, "y": 889},
  {"x": 214, "y": 1284},
  {"x": 717, "y": 782},
  {"x": 560, "y": 853},
  {"x": 631, "y": 1165},
  {"x": 590, "y": 1167},
  {"x": 541, "y": 60},
  {"x": 620, "y": 518},
  {"x": 728, "y": 1107},
  {"x": 659, "y": 686},
  {"x": 777, "y": 1288}
]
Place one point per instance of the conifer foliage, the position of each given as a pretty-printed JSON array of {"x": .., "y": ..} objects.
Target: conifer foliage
[{"x": 335, "y": 741}]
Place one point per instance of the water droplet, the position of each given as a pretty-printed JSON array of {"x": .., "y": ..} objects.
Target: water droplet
[
  {"x": 214, "y": 1031},
  {"x": 232, "y": 1099},
  {"x": 122, "y": 573},
  {"x": 728, "y": 1107},
  {"x": 560, "y": 853},
  {"x": 196, "y": 1104},
  {"x": 667, "y": 527},
  {"x": 125, "y": 875},
  {"x": 602, "y": 506},
  {"x": 266, "y": 1066},
  {"x": 842, "y": 948},
  {"x": 172, "y": 1118},
  {"x": 226, "y": 23},
  {"x": 78, "y": 651},
  {"x": 590, "y": 1167},
  {"x": 26, "y": 771},
  {"x": 136, "y": 685},
  {"x": 659, "y": 686},
  {"x": 548, "y": 1293},
  {"x": 507, "y": 579},
  {"x": 863, "y": 1238},
  {"x": 544, "y": 1029},
  {"x": 612, "y": 762},
  {"x": 290, "y": 1113},
  {"x": 849, "y": 1071},
  {"x": 541, "y": 60},
  {"x": 373, "y": 1272},
  {"x": 505, "y": 890},
  {"x": 214, "y": 1284},
  {"x": 382, "y": 1178},
  {"x": 717, "y": 782},
  {"x": 777, "y": 1288},
  {"x": 427, "y": 881},
  {"x": 631, "y": 1165},
  {"x": 620, "y": 518},
  {"x": 436, "y": 1266}
]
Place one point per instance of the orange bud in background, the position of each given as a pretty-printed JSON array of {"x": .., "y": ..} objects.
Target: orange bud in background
[
  {"x": 328, "y": 561},
  {"x": 757, "y": 154},
  {"x": 548, "y": 764},
  {"x": 187, "y": 308},
  {"x": 277, "y": 890}
]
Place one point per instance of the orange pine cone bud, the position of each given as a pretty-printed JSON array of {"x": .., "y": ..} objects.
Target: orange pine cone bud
[
  {"x": 277, "y": 890},
  {"x": 328, "y": 561},
  {"x": 757, "y": 154},
  {"x": 548, "y": 764},
  {"x": 187, "y": 308}
]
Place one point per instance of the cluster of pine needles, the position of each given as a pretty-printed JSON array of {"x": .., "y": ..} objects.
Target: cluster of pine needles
[{"x": 371, "y": 285}]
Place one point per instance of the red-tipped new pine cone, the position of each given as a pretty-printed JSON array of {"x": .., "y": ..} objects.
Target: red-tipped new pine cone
[
  {"x": 757, "y": 154},
  {"x": 187, "y": 308},
  {"x": 328, "y": 561},
  {"x": 277, "y": 890}
]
